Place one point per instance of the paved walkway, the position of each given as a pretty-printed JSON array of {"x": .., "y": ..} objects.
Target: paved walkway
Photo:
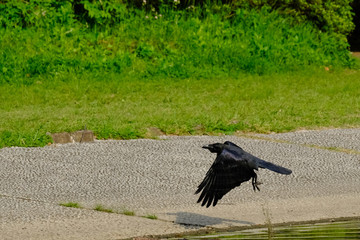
[{"x": 159, "y": 177}]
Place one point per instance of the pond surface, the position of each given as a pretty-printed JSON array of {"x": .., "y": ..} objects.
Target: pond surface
[{"x": 334, "y": 230}]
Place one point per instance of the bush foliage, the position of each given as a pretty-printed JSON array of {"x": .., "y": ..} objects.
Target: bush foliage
[
  {"x": 328, "y": 15},
  {"x": 146, "y": 39}
]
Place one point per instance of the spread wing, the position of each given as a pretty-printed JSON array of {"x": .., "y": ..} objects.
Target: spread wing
[{"x": 227, "y": 172}]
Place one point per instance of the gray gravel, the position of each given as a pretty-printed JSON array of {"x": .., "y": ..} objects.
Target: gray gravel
[
  {"x": 160, "y": 176},
  {"x": 336, "y": 138}
]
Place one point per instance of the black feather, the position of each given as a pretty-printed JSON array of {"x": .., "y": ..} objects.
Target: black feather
[{"x": 274, "y": 167}]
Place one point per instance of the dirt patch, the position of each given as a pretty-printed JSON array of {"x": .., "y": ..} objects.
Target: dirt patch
[{"x": 356, "y": 54}]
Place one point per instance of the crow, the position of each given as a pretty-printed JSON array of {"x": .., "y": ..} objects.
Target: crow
[{"x": 231, "y": 167}]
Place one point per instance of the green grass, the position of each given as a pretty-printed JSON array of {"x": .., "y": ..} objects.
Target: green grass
[
  {"x": 127, "y": 212},
  {"x": 101, "y": 208},
  {"x": 151, "y": 216},
  {"x": 182, "y": 73},
  {"x": 71, "y": 204},
  {"x": 121, "y": 108}
]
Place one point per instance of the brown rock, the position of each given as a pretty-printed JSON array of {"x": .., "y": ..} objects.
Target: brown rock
[
  {"x": 83, "y": 136},
  {"x": 61, "y": 138},
  {"x": 78, "y": 136}
]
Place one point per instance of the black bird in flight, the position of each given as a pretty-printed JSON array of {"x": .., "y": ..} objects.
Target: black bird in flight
[{"x": 231, "y": 167}]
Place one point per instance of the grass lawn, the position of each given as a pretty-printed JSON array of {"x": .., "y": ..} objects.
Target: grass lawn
[{"x": 125, "y": 108}]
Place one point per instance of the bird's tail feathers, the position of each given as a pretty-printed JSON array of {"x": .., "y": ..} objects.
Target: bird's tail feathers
[{"x": 274, "y": 167}]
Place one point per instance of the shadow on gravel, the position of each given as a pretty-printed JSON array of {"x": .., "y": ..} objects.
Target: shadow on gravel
[{"x": 194, "y": 221}]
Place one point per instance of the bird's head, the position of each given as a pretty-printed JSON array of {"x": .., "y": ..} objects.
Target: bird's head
[{"x": 215, "y": 147}]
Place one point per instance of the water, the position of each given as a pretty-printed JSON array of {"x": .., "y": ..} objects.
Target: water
[{"x": 328, "y": 231}]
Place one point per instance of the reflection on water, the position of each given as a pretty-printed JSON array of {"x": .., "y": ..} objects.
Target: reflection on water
[{"x": 335, "y": 230}]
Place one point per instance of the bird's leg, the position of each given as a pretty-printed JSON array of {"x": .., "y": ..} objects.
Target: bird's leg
[{"x": 255, "y": 183}]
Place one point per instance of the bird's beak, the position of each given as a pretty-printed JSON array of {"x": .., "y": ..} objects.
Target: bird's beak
[{"x": 206, "y": 147}]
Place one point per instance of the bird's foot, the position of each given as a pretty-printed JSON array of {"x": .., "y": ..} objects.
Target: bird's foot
[{"x": 255, "y": 184}]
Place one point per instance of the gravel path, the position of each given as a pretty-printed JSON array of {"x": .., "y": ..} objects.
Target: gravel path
[{"x": 160, "y": 176}]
